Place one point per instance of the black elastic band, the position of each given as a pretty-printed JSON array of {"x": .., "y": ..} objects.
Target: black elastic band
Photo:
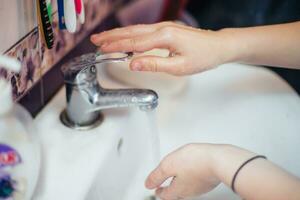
[{"x": 241, "y": 167}]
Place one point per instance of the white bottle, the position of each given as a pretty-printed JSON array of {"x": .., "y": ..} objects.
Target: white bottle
[{"x": 19, "y": 149}]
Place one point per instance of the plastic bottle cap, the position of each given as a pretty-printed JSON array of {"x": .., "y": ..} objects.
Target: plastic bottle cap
[
  {"x": 5, "y": 87},
  {"x": 5, "y": 97},
  {"x": 6, "y": 188},
  {"x": 10, "y": 63}
]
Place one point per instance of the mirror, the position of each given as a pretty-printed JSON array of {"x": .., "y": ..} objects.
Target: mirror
[{"x": 17, "y": 19}]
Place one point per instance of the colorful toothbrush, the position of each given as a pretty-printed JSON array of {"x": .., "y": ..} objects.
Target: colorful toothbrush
[
  {"x": 44, "y": 23},
  {"x": 61, "y": 14},
  {"x": 49, "y": 9},
  {"x": 70, "y": 15},
  {"x": 79, "y": 4},
  {"x": 82, "y": 14}
]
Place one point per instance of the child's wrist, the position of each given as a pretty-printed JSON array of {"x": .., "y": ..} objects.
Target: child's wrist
[{"x": 232, "y": 47}]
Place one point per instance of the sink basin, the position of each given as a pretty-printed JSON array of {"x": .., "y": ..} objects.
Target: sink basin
[
  {"x": 247, "y": 106},
  {"x": 96, "y": 164}
]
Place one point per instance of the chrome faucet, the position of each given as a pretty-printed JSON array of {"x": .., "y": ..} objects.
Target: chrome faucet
[{"x": 86, "y": 98}]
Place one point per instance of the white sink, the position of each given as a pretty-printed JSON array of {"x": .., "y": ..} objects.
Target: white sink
[
  {"x": 95, "y": 164},
  {"x": 241, "y": 105}
]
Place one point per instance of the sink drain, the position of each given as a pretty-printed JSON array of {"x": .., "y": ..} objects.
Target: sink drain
[{"x": 152, "y": 197}]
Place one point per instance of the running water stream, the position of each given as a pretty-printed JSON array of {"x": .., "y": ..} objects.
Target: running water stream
[
  {"x": 153, "y": 137},
  {"x": 137, "y": 190}
]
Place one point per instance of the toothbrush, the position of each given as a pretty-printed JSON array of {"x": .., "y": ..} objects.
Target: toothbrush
[
  {"x": 79, "y": 4},
  {"x": 49, "y": 9},
  {"x": 44, "y": 23},
  {"x": 82, "y": 14},
  {"x": 70, "y": 15},
  {"x": 61, "y": 15}
]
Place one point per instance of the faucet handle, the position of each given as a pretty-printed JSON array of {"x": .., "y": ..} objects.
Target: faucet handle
[
  {"x": 112, "y": 57},
  {"x": 80, "y": 64}
]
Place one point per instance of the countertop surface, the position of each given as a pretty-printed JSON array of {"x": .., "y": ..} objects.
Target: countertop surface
[{"x": 247, "y": 106}]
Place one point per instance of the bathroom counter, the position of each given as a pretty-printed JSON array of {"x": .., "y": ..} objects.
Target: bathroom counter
[{"x": 247, "y": 106}]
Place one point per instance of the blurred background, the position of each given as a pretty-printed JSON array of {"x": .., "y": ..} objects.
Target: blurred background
[{"x": 217, "y": 14}]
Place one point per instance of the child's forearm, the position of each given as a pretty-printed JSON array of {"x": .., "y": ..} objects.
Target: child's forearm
[
  {"x": 257, "y": 180},
  {"x": 274, "y": 45}
]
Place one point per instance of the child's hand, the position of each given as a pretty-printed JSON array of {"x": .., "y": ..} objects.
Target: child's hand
[{"x": 192, "y": 169}]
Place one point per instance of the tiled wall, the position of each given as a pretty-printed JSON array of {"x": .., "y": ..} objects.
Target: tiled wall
[
  {"x": 36, "y": 59},
  {"x": 31, "y": 84}
]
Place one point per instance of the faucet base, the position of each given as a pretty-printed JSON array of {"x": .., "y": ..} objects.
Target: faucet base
[{"x": 68, "y": 123}]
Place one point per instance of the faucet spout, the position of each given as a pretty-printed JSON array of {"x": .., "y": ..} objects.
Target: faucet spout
[
  {"x": 86, "y": 98},
  {"x": 142, "y": 98}
]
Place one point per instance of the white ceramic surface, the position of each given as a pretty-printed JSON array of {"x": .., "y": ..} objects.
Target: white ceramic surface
[{"x": 242, "y": 105}]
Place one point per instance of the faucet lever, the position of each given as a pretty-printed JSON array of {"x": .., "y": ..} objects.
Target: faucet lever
[
  {"x": 98, "y": 58},
  {"x": 82, "y": 63}
]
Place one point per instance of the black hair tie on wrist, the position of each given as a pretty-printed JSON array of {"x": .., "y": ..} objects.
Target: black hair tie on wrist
[{"x": 241, "y": 167}]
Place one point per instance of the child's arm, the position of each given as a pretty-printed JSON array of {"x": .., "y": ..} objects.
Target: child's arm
[{"x": 275, "y": 45}]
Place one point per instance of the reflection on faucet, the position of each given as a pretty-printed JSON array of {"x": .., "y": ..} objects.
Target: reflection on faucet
[{"x": 86, "y": 98}]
